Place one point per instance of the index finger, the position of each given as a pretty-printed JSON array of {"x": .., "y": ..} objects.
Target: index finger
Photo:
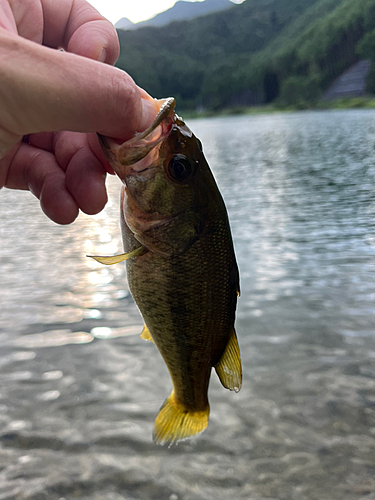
[{"x": 77, "y": 27}]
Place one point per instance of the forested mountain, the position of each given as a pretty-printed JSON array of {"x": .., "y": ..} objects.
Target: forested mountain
[
  {"x": 253, "y": 53},
  {"x": 181, "y": 10}
]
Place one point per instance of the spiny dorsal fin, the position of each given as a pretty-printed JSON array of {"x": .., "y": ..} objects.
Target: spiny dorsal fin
[
  {"x": 174, "y": 422},
  {"x": 115, "y": 259},
  {"x": 229, "y": 368},
  {"x": 146, "y": 335}
]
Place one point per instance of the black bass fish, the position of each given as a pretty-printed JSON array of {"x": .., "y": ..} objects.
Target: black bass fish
[{"x": 181, "y": 266}]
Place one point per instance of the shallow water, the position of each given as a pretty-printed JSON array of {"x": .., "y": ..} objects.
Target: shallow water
[{"x": 79, "y": 389}]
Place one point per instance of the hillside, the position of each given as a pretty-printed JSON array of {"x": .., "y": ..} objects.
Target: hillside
[
  {"x": 253, "y": 53},
  {"x": 181, "y": 10}
]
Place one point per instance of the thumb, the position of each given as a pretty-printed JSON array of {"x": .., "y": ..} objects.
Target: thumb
[{"x": 45, "y": 90}]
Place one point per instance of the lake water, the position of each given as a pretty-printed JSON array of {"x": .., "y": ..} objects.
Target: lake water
[{"x": 79, "y": 389}]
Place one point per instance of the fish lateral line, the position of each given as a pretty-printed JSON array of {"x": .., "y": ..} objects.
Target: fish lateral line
[{"x": 109, "y": 260}]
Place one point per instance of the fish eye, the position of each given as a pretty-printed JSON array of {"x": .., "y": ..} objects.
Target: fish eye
[{"x": 180, "y": 168}]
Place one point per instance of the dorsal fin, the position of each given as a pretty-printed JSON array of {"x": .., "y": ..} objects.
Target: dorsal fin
[{"x": 229, "y": 368}]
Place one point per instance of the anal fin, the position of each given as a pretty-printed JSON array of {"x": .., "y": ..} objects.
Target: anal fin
[
  {"x": 146, "y": 335},
  {"x": 229, "y": 369},
  {"x": 115, "y": 259}
]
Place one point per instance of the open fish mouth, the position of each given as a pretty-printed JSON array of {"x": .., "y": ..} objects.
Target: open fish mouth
[{"x": 131, "y": 152}]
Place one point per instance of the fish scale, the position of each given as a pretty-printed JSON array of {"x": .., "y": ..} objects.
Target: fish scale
[
  {"x": 181, "y": 266},
  {"x": 187, "y": 311}
]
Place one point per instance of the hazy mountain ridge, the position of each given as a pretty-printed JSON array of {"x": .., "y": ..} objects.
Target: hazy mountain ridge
[
  {"x": 124, "y": 23},
  {"x": 253, "y": 53},
  {"x": 181, "y": 10}
]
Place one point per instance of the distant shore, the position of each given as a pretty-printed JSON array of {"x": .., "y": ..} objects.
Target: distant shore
[{"x": 366, "y": 102}]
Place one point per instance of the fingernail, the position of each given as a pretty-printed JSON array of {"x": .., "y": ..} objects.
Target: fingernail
[
  {"x": 149, "y": 112},
  {"x": 103, "y": 56}
]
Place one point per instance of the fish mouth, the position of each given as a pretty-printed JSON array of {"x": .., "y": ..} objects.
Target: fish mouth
[{"x": 131, "y": 152}]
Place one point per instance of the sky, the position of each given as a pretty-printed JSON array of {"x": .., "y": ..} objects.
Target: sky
[{"x": 135, "y": 10}]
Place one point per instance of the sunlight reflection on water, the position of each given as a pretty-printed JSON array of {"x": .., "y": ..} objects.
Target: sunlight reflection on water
[{"x": 79, "y": 389}]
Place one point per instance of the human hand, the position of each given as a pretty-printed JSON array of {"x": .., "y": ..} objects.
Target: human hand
[{"x": 52, "y": 103}]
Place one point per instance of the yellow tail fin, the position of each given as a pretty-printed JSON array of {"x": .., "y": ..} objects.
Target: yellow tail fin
[
  {"x": 229, "y": 368},
  {"x": 174, "y": 422}
]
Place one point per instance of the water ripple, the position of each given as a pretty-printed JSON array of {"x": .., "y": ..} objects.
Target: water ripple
[{"x": 79, "y": 389}]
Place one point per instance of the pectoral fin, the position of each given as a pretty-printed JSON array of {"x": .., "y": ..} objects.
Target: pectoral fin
[
  {"x": 229, "y": 368},
  {"x": 115, "y": 259},
  {"x": 146, "y": 335}
]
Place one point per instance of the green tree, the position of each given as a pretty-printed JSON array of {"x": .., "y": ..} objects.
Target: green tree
[
  {"x": 366, "y": 47},
  {"x": 300, "y": 91}
]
